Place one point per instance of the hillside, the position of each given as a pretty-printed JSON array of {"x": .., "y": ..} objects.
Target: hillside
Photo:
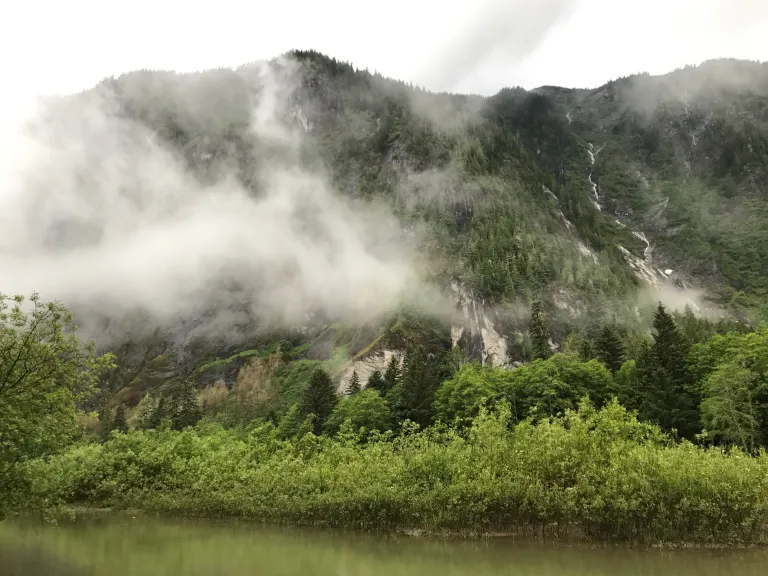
[{"x": 598, "y": 202}]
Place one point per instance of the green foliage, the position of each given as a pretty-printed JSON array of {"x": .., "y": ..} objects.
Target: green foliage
[
  {"x": 186, "y": 407},
  {"x": 294, "y": 424},
  {"x": 354, "y": 383},
  {"x": 160, "y": 413},
  {"x": 293, "y": 379},
  {"x": 610, "y": 349},
  {"x": 120, "y": 423},
  {"x": 499, "y": 190},
  {"x": 420, "y": 379},
  {"x": 45, "y": 371},
  {"x": 667, "y": 393},
  {"x": 541, "y": 388},
  {"x": 597, "y": 474},
  {"x": 730, "y": 410},
  {"x": 732, "y": 370},
  {"x": 458, "y": 400},
  {"x": 376, "y": 382},
  {"x": 319, "y": 399},
  {"x": 392, "y": 374},
  {"x": 538, "y": 333},
  {"x": 364, "y": 412},
  {"x": 146, "y": 413}
]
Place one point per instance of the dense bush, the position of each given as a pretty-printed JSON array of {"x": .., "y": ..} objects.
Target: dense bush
[{"x": 595, "y": 473}]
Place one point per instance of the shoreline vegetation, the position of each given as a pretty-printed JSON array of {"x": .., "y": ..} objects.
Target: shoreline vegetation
[
  {"x": 601, "y": 474},
  {"x": 548, "y": 218},
  {"x": 661, "y": 445}
]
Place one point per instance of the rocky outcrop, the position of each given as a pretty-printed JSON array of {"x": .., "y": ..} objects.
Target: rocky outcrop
[
  {"x": 473, "y": 328},
  {"x": 366, "y": 366}
]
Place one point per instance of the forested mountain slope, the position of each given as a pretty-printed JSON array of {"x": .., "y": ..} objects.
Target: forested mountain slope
[{"x": 592, "y": 201}]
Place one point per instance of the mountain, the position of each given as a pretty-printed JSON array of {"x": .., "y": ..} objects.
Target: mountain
[{"x": 595, "y": 201}]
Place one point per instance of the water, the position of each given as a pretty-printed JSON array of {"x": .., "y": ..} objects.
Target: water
[{"x": 124, "y": 546}]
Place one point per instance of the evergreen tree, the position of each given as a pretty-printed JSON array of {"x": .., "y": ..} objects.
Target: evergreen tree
[
  {"x": 420, "y": 380},
  {"x": 160, "y": 412},
  {"x": 392, "y": 374},
  {"x": 730, "y": 409},
  {"x": 319, "y": 399},
  {"x": 610, "y": 349},
  {"x": 187, "y": 412},
  {"x": 538, "y": 333},
  {"x": 354, "y": 383},
  {"x": 293, "y": 424},
  {"x": 376, "y": 381},
  {"x": 586, "y": 350},
  {"x": 120, "y": 423},
  {"x": 106, "y": 421},
  {"x": 666, "y": 396}
]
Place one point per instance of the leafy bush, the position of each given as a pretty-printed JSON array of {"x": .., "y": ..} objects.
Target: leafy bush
[{"x": 594, "y": 473}]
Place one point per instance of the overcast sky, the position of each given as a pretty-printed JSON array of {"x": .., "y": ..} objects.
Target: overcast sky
[{"x": 60, "y": 46}]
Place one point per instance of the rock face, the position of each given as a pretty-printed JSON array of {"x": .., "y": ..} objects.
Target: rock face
[
  {"x": 472, "y": 326},
  {"x": 366, "y": 366}
]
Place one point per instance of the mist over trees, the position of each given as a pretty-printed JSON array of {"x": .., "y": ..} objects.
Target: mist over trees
[{"x": 327, "y": 294}]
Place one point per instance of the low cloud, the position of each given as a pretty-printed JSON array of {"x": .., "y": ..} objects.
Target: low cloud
[{"x": 98, "y": 211}]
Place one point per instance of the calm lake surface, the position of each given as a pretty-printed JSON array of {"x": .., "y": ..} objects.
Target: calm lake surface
[{"x": 126, "y": 546}]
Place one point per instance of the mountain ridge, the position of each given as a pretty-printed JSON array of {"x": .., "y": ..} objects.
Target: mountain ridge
[{"x": 580, "y": 197}]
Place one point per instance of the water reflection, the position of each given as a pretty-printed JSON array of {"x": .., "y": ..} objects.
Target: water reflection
[{"x": 125, "y": 546}]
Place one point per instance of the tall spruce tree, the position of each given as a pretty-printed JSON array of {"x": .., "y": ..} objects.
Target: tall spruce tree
[
  {"x": 539, "y": 335},
  {"x": 392, "y": 374},
  {"x": 319, "y": 399},
  {"x": 666, "y": 394},
  {"x": 160, "y": 412},
  {"x": 120, "y": 423},
  {"x": 354, "y": 384},
  {"x": 610, "y": 349},
  {"x": 187, "y": 409},
  {"x": 376, "y": 381},
  {"x": 106, "y": 420},
  {"x": 420, "y": 380}
]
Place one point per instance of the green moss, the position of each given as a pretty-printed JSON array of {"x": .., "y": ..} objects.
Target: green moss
[{"x": 293, "y": 378}]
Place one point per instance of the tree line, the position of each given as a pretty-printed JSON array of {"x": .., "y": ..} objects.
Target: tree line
[{"x": 691, "y": 384}]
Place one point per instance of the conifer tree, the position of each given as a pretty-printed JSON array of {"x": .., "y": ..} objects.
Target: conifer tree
[
  {"x": 376, "y": 381},
  {"x": 420, "y": 380},
  {"x": 187, "y": 410},
  {"x": 538, "y": 333},
  {"x": 586, "y": 350},
  {"x": 120, "y": 424},
  {"x": 354, "y": 384},
  {"x": 666, "y": 395},
  {"x": 160, "y": 412},
  {"x": 319, "y": 399},
  {"x": 392, "y": 374},
  {"x": 106, "y": 421},
  {"x": 610, "y": 349}
]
